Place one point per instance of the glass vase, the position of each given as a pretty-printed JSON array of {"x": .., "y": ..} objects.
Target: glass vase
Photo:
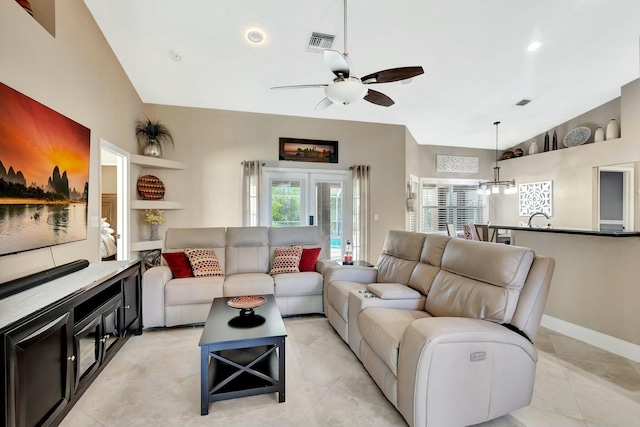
[{"x": 154, "y": 232}]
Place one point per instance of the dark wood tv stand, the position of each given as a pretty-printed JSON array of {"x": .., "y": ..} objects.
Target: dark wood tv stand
[{"x": 56, "y": 339}]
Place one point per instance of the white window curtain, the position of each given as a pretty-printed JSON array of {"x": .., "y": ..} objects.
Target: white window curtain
[
  {"x": 361, "y": 207},
  {"x": 251, "y": 185}
]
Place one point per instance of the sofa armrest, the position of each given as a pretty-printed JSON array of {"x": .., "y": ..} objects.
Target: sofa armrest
[
  {"x": 393, "y": 291},
  {"x": 153, "y": 283},
  {"x": 446, "y": 363},
  {"x": 350, "y": 273},
  {"x": 323, "y": 264}
]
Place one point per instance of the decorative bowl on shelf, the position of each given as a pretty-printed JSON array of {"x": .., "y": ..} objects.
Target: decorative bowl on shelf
[
  {"x": 507, "y": 155},
  {"x": 576, "y": 137},
  {"x": 150, "y": 187}
]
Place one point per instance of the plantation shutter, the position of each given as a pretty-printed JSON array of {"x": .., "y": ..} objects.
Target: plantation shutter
[{"x": 457, "y": 204}]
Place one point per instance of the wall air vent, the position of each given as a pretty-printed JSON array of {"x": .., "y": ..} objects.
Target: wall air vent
[
  {"x": 523, "y": 102},
  {"x": 320, "y": 41}
]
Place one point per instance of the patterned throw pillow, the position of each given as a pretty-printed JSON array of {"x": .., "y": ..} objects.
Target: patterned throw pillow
[
  {"x": 204, "y": 262},
  {"x": 286, "y": 260}
]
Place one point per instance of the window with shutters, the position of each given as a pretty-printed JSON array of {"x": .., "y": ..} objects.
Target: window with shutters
[{"x": 455, "y": 202}]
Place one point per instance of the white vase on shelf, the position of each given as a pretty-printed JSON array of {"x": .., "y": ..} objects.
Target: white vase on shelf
[
  {"x": 598, "y": 135},
  {"x": 533, "y": 148},
  {"x": 613, "y": 130}
]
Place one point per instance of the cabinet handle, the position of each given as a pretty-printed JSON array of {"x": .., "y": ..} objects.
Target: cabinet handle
[
  {"x": 126, "y": 307},
  {"x": 71, "y": 358}
]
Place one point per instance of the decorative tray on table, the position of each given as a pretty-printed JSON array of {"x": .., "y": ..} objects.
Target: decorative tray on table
[{"x": 246, "y": 304}]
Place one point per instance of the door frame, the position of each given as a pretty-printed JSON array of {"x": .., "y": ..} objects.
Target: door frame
[
  {"x": 628, "y": 174},
  {"x": 121, "y": 163},
  {"x": 307, "y": 200}
]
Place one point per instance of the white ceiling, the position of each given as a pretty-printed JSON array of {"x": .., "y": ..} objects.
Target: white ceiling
[{"x": 473, "y": 52}]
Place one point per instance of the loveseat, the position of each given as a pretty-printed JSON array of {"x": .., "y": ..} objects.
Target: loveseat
[
  {"x": 244, "y": 259},
  {"x": 444, "y": 326}
]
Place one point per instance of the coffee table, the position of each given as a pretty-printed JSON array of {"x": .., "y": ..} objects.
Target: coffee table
[{"x": 241, "y": 355}]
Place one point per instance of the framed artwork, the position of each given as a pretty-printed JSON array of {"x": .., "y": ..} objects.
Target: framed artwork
[
  {"x": 44, "y": 175},
  {"x": 308, "y": 150}
]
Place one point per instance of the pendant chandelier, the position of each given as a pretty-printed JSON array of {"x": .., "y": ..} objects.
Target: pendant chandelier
[{"x": 497, "y": 186}]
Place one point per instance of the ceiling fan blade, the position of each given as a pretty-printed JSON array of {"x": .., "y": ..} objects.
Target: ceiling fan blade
[
  {"x": 300, "y": 86},
  {"x": 323, "y": 104},
  {"x": 392, "y": 75},
  {"x": 378, "y": 98},
  {"x": 337, "y": 63}
]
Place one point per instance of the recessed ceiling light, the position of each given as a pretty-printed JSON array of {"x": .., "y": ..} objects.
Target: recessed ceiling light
[
  {"x": 534, "y": 46},
  {"x": 255, "y": 36},
  {"x": 175, "y": 55}
]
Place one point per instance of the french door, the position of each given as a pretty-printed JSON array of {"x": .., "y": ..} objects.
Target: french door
[{"x": 323, "y": 198}]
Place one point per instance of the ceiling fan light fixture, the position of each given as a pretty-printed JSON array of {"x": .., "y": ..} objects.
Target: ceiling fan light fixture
[{"x": 345, "y": 91}]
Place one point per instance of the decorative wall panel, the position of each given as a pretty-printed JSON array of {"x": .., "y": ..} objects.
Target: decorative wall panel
[
  {"x": 536, "y": 197},
  {"x": 459, "y": 164}
]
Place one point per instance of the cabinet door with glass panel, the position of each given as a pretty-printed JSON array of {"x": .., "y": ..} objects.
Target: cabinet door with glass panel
[{"x": 295, "y": 199}]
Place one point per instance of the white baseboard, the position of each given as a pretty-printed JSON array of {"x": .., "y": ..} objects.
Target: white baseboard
[{"x": 597, "y": 339}]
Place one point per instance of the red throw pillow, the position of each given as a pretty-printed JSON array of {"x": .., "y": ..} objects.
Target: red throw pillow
[
  {"x": 309, "y": 258},
  {"x": 179, "y": 264}
]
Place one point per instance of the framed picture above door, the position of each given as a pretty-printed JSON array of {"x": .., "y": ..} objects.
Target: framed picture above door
[{"x": 308, "y": 150}]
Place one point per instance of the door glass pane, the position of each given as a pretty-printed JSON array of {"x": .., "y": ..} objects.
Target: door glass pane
[
  {"x": 285, "y": 203},
  {"x": 329, "y": 208}
]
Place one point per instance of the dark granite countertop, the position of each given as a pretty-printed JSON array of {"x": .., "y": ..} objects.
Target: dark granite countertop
[{"x": 568, "y": 231}]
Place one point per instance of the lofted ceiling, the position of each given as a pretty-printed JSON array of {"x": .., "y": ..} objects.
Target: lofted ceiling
[{"x": 474, "y": 53}]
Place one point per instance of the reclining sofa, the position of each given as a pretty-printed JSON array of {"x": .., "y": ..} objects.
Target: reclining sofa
[
  {"x": 444, "y": 326},
  {"x": 245, "y": 256}
]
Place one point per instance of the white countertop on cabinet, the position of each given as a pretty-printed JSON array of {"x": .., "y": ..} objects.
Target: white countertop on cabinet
[{"x": 22, "y": 304}]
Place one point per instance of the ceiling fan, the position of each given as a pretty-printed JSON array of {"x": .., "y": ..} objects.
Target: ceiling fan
[{"x": 346, "y": 88}]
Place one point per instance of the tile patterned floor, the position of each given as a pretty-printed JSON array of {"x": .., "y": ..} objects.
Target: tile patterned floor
[{"x": 154, "y": 381}]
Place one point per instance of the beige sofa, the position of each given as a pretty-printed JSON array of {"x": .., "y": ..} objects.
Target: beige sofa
[
  {"x": 444, "y": 326},
  {"x": 245, "y": 255}
]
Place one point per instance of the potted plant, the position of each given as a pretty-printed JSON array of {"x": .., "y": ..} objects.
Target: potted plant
[
  {"x": 154, "y": 217},
  {"x": 152, "y": 135}
]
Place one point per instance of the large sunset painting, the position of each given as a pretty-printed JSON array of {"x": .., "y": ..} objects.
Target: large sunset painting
[{"x": 44, "y": 175}]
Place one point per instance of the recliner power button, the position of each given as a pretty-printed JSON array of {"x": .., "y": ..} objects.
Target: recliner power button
[{"x": 478, "y": 356}]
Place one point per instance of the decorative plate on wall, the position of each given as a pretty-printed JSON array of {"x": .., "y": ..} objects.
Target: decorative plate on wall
[
  {"x": 578, "y": 136},
  {"x": 150, "y": 187}
]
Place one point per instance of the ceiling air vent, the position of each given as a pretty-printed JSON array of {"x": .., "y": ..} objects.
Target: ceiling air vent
[
  {"x": 319, "y": 42},
  {"x": 523, "y": 102}
]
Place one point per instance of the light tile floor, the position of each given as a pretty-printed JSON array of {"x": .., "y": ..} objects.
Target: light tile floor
[{"x": 154, "y": 381}]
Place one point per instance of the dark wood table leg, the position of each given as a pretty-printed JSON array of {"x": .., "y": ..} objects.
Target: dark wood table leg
[
  {"x": 204, "y": 380},
  {"x": 281, "y": 369}
]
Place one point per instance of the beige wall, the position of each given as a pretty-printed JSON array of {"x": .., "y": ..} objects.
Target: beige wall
[
  {"x": 77, "y": 75},
  {"x": 109, "y": 181},
  {"x": 596, "y": 278},
  {"x": 595, "y": 284},
  {"x": 571, "y": 169},
  {"x": 486, "y": 161},
  {"x": 213, "y": 143}
]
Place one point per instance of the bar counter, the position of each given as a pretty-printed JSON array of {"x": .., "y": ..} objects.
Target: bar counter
[{"x": 567, "y": 231}]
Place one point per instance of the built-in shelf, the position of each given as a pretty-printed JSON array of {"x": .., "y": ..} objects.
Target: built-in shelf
[
  {"x": 146, "y": 245},
  {"x": 154, "y": 162},
  {"x": 156, "y": 204}
]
